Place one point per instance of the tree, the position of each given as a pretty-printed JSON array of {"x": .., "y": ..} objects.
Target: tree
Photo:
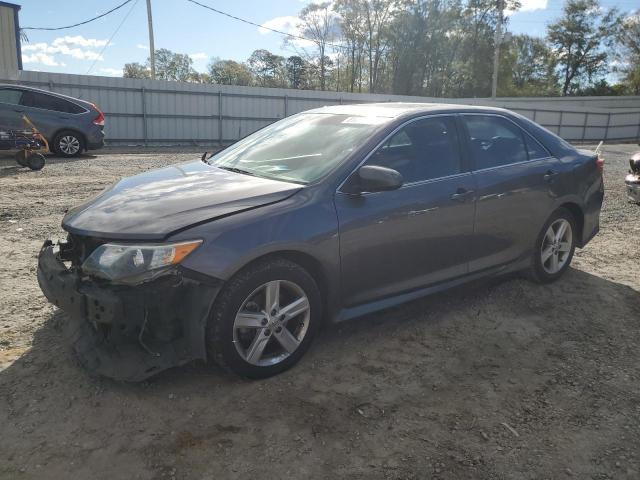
[
  {"x": 319, "y": 24},
  {"x": 135, "y": 70},
  {"x": 579, "y": 40},
  {"x": 173, "y": 66},
  {"x": 169, "y": 66},
  {"x": 297, "y": 70},
  {"x": 229, "y": 72},
  {"x": 527, "y": 68},
  {"x": 267, "y": 68},
  {"x": 629, "y": 38},
  {"x": 352, "y": 17}
]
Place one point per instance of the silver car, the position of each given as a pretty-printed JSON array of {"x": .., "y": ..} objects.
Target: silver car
[{"x": 70, "y": 125}]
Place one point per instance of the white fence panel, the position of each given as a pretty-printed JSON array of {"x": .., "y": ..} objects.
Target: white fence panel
[{"x": 172, "y": 113}]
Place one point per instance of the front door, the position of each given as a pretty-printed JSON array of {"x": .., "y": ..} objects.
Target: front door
[{"x": 396, "y": 241}]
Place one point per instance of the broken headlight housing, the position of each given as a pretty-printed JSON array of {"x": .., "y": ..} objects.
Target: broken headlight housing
[{"x": 128, "y": 263}]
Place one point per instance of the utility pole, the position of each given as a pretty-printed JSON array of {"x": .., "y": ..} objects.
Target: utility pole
[
  {"x": 152, "y": 50},
  {"x": 496, "y": 54}
]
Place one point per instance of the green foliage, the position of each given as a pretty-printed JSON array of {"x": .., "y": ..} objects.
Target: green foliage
[
  {"x": 229, "y": 72},
  {"x": 136, "y": 70},
  {"x": 435, "y": 48},
  {"x": 579, "y": 40}
]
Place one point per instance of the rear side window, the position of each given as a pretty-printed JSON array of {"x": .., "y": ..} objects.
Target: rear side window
[
  {"x": 10, "y": 96},
  {"x": 49, "y": 102},
  {"x": 534, "y": 149},
  {"x": 495, "y": 141},
  {"x": 423, "y": 150}
]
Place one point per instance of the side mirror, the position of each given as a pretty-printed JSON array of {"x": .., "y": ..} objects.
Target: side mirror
[{"x": 373, "y": 178}]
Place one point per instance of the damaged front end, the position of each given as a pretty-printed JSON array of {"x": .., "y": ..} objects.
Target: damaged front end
[
  {"x": 632, "y": 180},
  {"x": 127, "y": 330}
]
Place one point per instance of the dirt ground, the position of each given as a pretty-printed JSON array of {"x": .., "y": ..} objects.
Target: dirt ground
[{"x": 501, "y": 379}]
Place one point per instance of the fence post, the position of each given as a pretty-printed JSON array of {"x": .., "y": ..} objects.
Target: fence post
[
  {"x": 606, "y": 130},
  {"x": 286, "y": 105},
  {"x": 584, "y": 125},
  {"x": 560, "y": 123},
  {"x": 144, "y": 116},
  {"x": 220, "y": 118},
  {"x": 534, "y": 114},
  {"x": 638, "y": 135}
]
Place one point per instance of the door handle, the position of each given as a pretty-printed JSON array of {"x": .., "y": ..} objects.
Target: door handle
[
  {"x": 17, "y": 110},
  {"x": 461, "y": 194},
  {"x": 550, "y": 175}
]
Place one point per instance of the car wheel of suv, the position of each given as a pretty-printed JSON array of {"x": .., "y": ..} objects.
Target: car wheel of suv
[
  {"x": 554, "y": 247},
  {"x": 264, "y": 319},
  {"x": 67, "y": 144}
]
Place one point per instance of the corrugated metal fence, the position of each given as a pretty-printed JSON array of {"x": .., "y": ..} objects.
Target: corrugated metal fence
[{"x": 148, "y": 112}]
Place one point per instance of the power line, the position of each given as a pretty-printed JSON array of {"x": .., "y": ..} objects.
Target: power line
[
  {"x": 112, "y": 35},
  {"x": 290, "y": 35},
  {"x": 81, "y": 23}
]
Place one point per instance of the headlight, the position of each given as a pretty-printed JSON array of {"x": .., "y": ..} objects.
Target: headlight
[{"x": 132, "y": 263}]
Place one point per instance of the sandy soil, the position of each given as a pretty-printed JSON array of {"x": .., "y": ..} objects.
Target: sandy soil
[{"x": 500, "y": 379}]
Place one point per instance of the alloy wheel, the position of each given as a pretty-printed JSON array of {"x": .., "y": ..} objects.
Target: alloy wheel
[
  {"x": 556, "y": 246},
  {"x": 271, "y": 323},
  {"x": 69, "y": 145}
]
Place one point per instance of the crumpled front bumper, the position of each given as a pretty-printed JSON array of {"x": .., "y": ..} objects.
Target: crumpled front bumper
[
  {"x": 130, "y": 332},
  {"x": 633, "y": 187}
]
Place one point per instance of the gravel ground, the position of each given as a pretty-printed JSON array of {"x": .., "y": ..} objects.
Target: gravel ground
[{"x": 499, "y": 379}]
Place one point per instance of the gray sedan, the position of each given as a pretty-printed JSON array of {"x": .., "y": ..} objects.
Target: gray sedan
[{"x": 321, "y": 217}]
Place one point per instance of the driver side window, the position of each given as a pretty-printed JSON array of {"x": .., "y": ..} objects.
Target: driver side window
[{"x": 422, "y": 150}]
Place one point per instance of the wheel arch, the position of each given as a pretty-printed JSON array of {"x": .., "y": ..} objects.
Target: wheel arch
[
  {"x": 307, "y": 261},
  {"x": 82, "y": 136},
  {"x": 578, "y": 215}
]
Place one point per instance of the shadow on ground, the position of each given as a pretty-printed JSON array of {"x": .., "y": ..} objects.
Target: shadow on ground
[{"x": 498, "y": 379}]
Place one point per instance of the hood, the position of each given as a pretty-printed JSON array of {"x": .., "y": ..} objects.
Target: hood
[{"x": 152, "y": 205}]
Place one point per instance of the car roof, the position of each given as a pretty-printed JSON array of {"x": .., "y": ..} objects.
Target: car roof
[
  {"x": 39, "y": 90},
  {"x": 399, "y": 109}
]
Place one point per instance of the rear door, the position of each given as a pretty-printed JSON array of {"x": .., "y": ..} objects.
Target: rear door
[
  {"x": 514, "y": 176},
  {"x": 49, "y": 113},
  {"x": 395, "y": 241},
  {"x": 10, "y": 109}
]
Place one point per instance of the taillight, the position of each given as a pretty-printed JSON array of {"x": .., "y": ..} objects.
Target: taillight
[
  {"x": 99, "y": 120},
  {"x": 600, "y": 163}
]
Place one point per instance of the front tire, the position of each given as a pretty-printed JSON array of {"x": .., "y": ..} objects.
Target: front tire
[
  {"x": 554, "y": 247},
  {"x": 264, "y": 319},
  {"x": 68, "y": 144}
]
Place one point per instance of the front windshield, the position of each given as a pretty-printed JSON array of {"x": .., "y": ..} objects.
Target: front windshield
[{"x": 301, "y": 148}]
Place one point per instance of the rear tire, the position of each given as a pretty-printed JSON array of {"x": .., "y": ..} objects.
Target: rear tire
[
  {"x": 554, "y": 247},
  {"x": 68, "y": 144},
  {"x": 36, "y": 161},
  {"x": 264, "y": 319}
]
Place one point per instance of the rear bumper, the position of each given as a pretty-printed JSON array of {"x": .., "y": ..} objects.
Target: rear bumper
[
  {"x": 130, "y": 332},
  {"x": 95, "y": 138},
  {"x": 632, "y": 182}
]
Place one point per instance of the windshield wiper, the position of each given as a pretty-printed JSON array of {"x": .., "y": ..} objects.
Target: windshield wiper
[{"x": 238, "y": 170}]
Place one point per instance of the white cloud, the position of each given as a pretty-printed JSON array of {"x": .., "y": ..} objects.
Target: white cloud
[
  {"x": 112, "y": 72},
  {"x": 529, "y": 6},
  {"x": 76, "y": 47},
  {"x": 80, "y": 41},
  {"x": 142, "y": 46},
  {"x": 42, "y": 58},
  {"x": 287, "y": 24},
  {"x": 198, "y": 56}
]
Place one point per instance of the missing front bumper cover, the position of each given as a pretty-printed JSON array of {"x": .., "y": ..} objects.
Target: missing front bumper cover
[{"x": 129, "y": 332}]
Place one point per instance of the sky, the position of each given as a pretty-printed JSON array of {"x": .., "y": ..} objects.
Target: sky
[{"x": 105, "y": 45}]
